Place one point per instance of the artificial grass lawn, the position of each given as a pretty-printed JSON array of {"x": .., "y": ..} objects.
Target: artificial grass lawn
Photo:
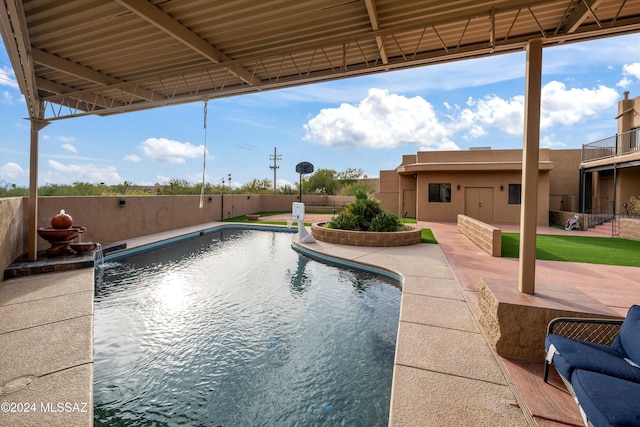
[
  {"x": 427, "y": 236},
  {"x": 591, "y": 250}
]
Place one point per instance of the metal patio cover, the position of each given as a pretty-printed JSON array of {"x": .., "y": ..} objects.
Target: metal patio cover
[{"x": 81, "y": 57}]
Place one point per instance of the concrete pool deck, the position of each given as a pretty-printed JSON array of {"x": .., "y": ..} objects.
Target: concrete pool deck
[
  {"x": 445, "y": 371},
  {"x": 46, "y": 348}
]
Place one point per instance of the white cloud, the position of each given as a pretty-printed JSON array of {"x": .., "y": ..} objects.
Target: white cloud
[
  {"x": 381, "y": 120},
  {"x": 596, "y": 136},
  {"x": 162, "y": 180},
  {"x": 168, "y": 151},
  {"x": 8, "y": 77},
  {"x": 568, "y": 107},
  {"x": 66, "y": 139},
  {"x": 6, "y": 98},
  {"x": 69, "y": 147},
  {"x": 630, "y": 72},
  {"x": 550, "y": 141},
  {"x": 69, "y": 173},
  {"x": 132, "y": 158},
  {"x": 13, "y": 172},
  {"x": 559, "y": 106},
  {"x": 624, "y": 82},
  {"x": 505, "y": 114},
  {"x": 196, "y": 178},
  {"x": 280, "y": 183}
]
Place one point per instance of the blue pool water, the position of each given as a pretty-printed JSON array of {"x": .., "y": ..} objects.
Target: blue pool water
[{"x": 235, "y": 328}]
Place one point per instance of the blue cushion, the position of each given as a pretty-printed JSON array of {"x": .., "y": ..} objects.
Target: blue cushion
[
  {"x": 574, "y": 354},
  {"x": 607, "y": 401},
  {"x": 629, "y": 339}
]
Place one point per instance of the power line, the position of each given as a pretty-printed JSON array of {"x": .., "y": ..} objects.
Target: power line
[
  {"x": 7, "y": 77},
  {"x": 275, "y": 157}
]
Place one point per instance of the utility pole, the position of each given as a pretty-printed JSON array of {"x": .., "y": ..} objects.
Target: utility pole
[{"x": 275, "y": 157}]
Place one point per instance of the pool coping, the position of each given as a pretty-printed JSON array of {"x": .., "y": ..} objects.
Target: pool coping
[{"x": 444, "y": 370}]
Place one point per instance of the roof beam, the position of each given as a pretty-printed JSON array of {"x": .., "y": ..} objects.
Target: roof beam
[
  {"x": 89, "y": 98},
  {"x": 15, "y": 33},
  {"x": 65, "y": 66},
  {"x": 375, "y": 25},
  {"x": 579, "y": 15},
  {"x": 165, "y": 22}
]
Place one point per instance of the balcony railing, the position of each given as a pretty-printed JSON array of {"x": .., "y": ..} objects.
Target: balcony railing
[{"x": 616, "y": 145}]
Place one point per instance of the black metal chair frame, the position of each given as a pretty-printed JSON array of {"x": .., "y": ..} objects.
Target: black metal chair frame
[{"x": 598, "y": 331}]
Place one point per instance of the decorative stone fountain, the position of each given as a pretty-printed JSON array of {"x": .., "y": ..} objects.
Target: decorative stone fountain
[{"x": 61, "y": 235}]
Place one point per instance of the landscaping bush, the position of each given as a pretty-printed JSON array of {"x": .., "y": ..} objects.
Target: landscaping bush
[
  {"x": 385, "y": 222},
  {"x": 365, "y": 214}
]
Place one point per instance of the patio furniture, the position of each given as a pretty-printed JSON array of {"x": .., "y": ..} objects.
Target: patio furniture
[{"x": 599, "y": 361}]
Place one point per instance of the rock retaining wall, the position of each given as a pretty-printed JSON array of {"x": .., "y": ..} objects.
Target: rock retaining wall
[
  {"x": 485, "y": 236},
  {"x": 630, "y": 228},
  {"x": 516, "y": 324},
  {"x": 366, "y": 238}
]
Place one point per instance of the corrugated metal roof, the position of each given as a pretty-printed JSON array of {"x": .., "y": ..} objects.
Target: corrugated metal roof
[{"x": 104, "y": 57}]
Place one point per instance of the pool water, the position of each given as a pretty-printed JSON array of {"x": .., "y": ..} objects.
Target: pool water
[{"x": 235, "y": 328}]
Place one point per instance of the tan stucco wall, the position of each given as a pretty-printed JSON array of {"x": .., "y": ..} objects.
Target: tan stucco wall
[
  {"x": 280, "y": 202},
  {"x": 602, "y": 188},
  {"x": 564, "y": 180},
  {"x": 13, "y": 232},
  {"x": 106, "y": 221},
  {"x": 477, "y": 168},
  {"x": 388, "y": 194},
  {"x": 475, "y": 158},
  {"x": 628, "y": 186},
  {"x": 628, "y": 118},
  {"x": 627, "y": 180},
  {"x": 503, "y": 212}
]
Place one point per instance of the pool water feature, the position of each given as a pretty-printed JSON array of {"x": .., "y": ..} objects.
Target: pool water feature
[{"x": 235, "y": 328}]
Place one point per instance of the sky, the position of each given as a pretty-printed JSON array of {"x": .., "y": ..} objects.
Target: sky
[{"x": 365, "y": 123}]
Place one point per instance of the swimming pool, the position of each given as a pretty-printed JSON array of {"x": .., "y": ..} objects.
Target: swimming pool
[{"x": 235, "y": 328}]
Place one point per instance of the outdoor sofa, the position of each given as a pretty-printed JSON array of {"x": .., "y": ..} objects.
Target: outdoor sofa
[{"x": 599, "y": 361}]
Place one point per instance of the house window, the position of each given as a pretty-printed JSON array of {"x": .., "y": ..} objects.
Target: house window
[
  {"x": 439, "y": 193},
  {"x": 515, "y": 191}
]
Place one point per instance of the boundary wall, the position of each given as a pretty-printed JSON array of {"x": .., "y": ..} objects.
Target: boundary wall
[{"x": 114, "y": 218}]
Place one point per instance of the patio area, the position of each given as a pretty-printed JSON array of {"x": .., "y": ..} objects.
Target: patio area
[{"x": 446, "y": 371}]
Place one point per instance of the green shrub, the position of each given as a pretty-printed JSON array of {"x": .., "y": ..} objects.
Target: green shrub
[
  {"x": 385, "y": 222},
  {"x": 343, "y": 222},
  {"x": 365, "y": 214}
]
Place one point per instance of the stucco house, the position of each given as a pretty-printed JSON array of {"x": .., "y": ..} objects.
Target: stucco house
[
  {"x": 599, "y": 179},
  {"x": 480, "y": 182},
  {"x": 610, "y": 168}
]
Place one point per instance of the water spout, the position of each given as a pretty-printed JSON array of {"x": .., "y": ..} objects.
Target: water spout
[{"x": 98, "y": 257}]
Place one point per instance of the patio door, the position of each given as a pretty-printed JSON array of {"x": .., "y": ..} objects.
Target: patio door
[
  {"x": 409, "y": 203},
  {"x": 478, "y": 203}
]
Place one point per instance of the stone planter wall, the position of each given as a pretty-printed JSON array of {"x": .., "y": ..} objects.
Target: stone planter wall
[
  {"x": 516, "y": 324},
  {"x": 366, "y": 238},
  {"x": 485, "y": 236},
  {"x": 630, "y": 228}
]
